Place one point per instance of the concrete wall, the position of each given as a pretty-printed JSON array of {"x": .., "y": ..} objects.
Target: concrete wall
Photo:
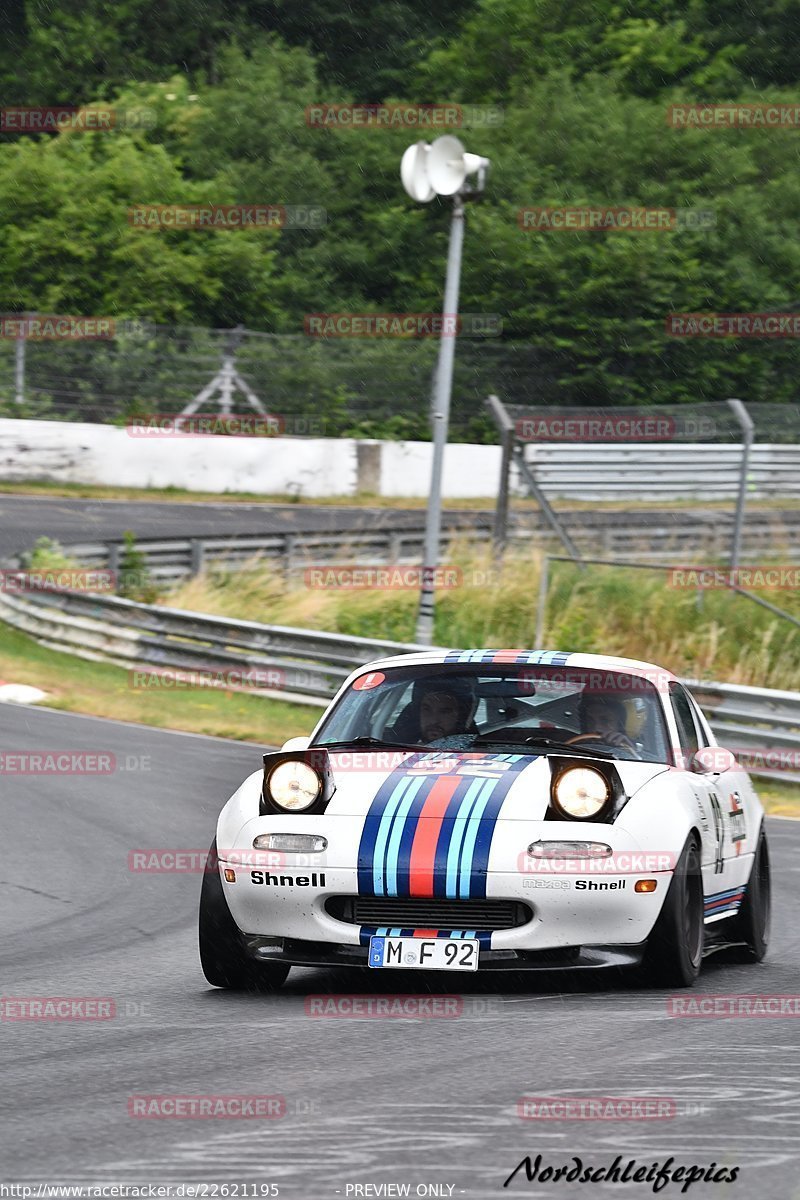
[
  {"x": 316, "y": 467},
  {"x": 104, "y": 454}
]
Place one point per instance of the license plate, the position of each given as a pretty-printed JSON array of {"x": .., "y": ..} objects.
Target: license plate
[{"x": 430, "y": 954}]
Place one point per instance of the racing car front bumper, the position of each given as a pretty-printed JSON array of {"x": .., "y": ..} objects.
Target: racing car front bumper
[{"x": 301, "y": 953}]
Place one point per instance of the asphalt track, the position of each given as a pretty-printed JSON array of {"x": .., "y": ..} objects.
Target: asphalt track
[
  {"x": 368, "y": 1101},
  {"x": 25, "y": 518}
]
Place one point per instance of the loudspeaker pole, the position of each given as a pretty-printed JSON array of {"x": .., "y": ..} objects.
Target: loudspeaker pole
[{"x": 441, "y": 423}]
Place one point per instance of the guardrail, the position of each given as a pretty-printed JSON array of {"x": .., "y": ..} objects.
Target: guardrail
[
  {"x": 654, "y": 472},
  {"x": 663, "y": 537},
  {"x": 169, "y": 560},
  {"x": 755, "y": 722},
  {"x": 306, "y": 666},
  {"x": 295, "y": 664}
]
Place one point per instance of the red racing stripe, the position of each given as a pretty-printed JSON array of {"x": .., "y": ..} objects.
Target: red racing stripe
[{"x": 429, "y": 826}]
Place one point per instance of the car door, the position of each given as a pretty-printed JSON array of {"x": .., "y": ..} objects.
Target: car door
[
  {"x": 732, "y": 790},
  {"x": 710, "y": 817}
]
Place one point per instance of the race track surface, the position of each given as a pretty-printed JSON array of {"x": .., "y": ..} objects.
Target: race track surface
[
  {"x": 25, "y": 518},
  {"x": 368, "y": 1101}
]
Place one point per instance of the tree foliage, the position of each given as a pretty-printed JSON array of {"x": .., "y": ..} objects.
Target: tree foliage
[{"x": 584, "y": 90}]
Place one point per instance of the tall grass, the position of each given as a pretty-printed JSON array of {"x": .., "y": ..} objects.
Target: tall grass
[{"x": 606, "y": 610}]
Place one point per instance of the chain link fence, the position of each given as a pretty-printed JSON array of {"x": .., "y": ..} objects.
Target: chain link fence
[{"x": 350, "y": 387}]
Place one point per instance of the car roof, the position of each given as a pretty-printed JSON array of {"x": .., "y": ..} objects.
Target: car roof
[{"x": 516, "y": 657}]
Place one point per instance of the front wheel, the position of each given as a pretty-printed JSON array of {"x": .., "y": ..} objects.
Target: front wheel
[
  {"x": 675, "y": 947},
  {"x": 750, "y": 926},
  {"x": 222, "y": 958}
]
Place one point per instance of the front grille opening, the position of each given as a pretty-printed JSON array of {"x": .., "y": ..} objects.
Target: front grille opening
[{"x": 421, "y": 912}]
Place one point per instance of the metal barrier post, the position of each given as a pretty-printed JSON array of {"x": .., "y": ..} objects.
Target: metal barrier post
[
  {"x": 506, "y": 427},
  {"x": 507, "y": 444},
  {"x": 544, "y": 581},
  {"x": 743, "y": 417}
]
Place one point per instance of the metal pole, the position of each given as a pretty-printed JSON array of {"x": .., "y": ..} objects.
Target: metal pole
[
  {"x": 743, "y": 417},
  {"x": 544, "y": 581},
  {"x": 441, "y": 418},
  {"x": 506, "y": 445},
  {"x": 19, "y": 370},
  {"x": 530, "y": 479}
]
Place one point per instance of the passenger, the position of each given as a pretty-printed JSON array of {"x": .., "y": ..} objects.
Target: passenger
[{"x": 604, "y": 716}]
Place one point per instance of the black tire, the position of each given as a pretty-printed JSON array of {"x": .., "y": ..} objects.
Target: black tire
[
  {"x": 751, "y": 924},
  {"x": 675, "y": 947},
  {"x": 222, "y": 957}
]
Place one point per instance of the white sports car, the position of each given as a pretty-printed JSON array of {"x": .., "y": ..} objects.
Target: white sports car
[{"x": 491, "y": 810}]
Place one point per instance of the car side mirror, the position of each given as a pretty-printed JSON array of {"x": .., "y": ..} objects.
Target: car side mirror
[
  {"x": 712, "y": 760},
  {"x": 296, "y": 743}
]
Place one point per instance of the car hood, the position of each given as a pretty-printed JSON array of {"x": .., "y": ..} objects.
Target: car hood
[{"x": 443, "y": 785}]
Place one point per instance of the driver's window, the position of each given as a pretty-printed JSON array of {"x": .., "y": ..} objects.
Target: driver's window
[{"x": 688, "y": 738}]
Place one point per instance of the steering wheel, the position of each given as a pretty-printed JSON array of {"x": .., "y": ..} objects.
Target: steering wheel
[{"x": 598, "y": 737}]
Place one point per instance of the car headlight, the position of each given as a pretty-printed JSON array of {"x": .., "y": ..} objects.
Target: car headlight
[
  {"x": 581, "y": 792},
  {"x": 294, "y": 785}
]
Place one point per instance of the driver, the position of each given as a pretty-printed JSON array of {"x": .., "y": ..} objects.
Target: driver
[
  {"x": 439, "y": 715},
  {"x": 604, "y": 716},
  {"x": 442, "y": 710}
]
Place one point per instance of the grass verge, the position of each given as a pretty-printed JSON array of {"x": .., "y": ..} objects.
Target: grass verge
[
  {"x": 779, "y": 799},
  {"x": 102, "y": 690},
  {"x": 709, "y": 635},
  {"x": 77, "y": 491}
]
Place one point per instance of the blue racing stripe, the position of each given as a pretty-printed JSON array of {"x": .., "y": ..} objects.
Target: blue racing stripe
[
  {"x": 477, "y": 845},
  {"x": 477, "y": 794},
  {"x": 416, "y": 794},
  {"x": 722, "y": 895},
  {"x": 384, "y": 827},
  {"x": 446, "y": 833},
  {"x": 470, "y": 838},
  {"x": 378, "y": 822},
  {"x": 399, "y": 866}
]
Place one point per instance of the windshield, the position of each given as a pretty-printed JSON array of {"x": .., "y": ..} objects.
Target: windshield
[{"x": 581, "y": 710}]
